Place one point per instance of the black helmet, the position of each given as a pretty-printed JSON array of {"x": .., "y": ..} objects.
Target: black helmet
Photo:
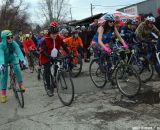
[
  {"x": 129, "y": 22},
  {"x": 52, "y": 30}
]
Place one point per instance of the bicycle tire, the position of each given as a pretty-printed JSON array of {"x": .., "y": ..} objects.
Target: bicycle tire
[
  {"x": 149, "y": 74},
  {"x": 157, "y": 67},
  {"x": 18, "y": 93},
  {"x": 65, "y": 77},
  {"x": 45, "y": 84},
  {"x": 103, "y": 76},
  {"x": 123, "y": 72},
  {"x": 78, "y": 70}
]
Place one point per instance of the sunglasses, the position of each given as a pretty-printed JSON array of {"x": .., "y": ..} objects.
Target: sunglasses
[
  {"x": 9, "y": 37},
  {"x": 111, "y": 21},
  {"x": 151, "y": 22}
]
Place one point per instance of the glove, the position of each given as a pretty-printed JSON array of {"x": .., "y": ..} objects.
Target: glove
[
  {"x": 1, "y": 68},
  {"x": 23, "y": 64},
  {"x": 107, "y": 50},
  {"x": 52, "y": 59},
  {"x": 125, "y": 46}
]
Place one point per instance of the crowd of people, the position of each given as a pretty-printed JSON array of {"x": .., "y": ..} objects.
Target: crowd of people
[{"x": 48, "y": 43}]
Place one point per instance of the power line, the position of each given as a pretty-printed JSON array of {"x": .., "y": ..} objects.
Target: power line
[{"x": 111, "y": 5}]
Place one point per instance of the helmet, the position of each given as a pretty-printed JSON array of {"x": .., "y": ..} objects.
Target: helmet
[
  {"x": 129, "y": 22},
  {"x": 27, "y": 35},
  {"x": 45, "y": 32},
  {"x": 109, "y": 17},
  {"x": 134, "y": 22},
  {"x": 150, "y": 19},
  {"x": 83, "y": 27},
  {"x": 53, "y": 28},
  {"x": 77, "y": 27},
  {"x": 54, "y": 24},
  {"x": 74, "y": 32},
  {"x": 63, "y": 31},
  {"x": 6, "y": 33}
]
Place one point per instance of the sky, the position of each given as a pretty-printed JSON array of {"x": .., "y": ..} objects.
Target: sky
[{"x": 81, "y": 8}]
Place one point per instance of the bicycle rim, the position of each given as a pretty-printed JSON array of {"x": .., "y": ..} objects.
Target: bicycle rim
[
  {"x": 128, "y": 80},
  {"x": 97, "y": 76},
  {"x": 65, "y": 88}
]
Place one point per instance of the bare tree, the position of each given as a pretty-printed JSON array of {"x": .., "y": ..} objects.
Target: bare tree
[
  {"x": 54, "y": 9},
  {"x": 13, "y": 16}
]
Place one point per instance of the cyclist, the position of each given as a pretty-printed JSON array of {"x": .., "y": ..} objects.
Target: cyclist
[
  {"x": 75, "y": 41},
  {"x": 29, "y": 48},
  {"x": 40, "y": 38},
  {"x": 49, "y": 48},
  {"x": 144, "y": 31},
  {"x": 128, "y": 31},
  {"x": 64, "y": 33},
  {"x": 104, "y": 34},
  {"x": 10, "y": 52}
]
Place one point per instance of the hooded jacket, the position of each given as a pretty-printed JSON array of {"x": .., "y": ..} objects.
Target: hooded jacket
[
  {"x": 46, "y": 47},
  {"x": 8, "y": 50}
]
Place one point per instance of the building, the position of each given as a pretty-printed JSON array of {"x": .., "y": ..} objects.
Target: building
[
  {"x": 144, "y": 7},
  {"x": 87, "y": 21}
]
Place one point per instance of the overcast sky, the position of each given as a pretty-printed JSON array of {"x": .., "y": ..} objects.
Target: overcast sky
[{"x": 81, "y": 8}]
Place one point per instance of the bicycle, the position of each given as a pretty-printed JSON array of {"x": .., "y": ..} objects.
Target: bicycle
[
  {"x": 125, "y": 75},
  {"x": 15, "y": 87},
  {"x": 76, "y": 61},
  {"x": 140, "y": 63},
  {"x": 61, "y": 80},
  {"x": 138, "y": 57}
]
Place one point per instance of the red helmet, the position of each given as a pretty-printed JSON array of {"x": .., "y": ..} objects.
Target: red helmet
[
  {"x": 54, "y": 24},
  {"x": 53, "y": 28},
  {"x": 158, "y": 10}
]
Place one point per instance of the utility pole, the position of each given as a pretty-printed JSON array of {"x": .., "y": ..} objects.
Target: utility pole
[
  {"x": 71, "y": 13},
  {"x": 91, "y": 9}
]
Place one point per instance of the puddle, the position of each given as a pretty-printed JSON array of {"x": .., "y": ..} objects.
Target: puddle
[
  {"x": 149, "y": 97},
  {"x": 113, "y": 115}
]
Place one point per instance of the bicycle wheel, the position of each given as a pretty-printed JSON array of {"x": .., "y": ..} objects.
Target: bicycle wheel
[
  {"x": 97, "y": 76},
  {"x": 17, "y": 92},
  {"x": 65, "y": 87},
  {"x": 45, "y": 83},
  {"x": 144, "y": 68},
  {"x": 35, "y": 64},
  {"x": 128, "y": 80},
  {"x": 146, "y": 72},
  {"x": 76, "y": 67}
]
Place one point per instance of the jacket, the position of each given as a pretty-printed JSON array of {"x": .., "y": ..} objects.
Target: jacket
[{"x": 46, "y": 47}]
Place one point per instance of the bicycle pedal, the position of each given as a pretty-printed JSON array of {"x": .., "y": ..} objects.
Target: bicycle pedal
[{"x": 20, "y": 90}]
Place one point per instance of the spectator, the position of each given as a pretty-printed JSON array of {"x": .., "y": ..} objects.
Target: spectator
[
  {"x": 85, "y": 40},
  {"x": 33, "y": 38},
  {"x": 157, "y": 23}
]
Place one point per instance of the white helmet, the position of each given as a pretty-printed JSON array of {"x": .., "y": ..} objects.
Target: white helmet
[
  {"x": 150, "y": 19},
  {"x": 83, "y": 27},
  {"x": 27, "y": 35},
  {"x": 77, "y": 27}
]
